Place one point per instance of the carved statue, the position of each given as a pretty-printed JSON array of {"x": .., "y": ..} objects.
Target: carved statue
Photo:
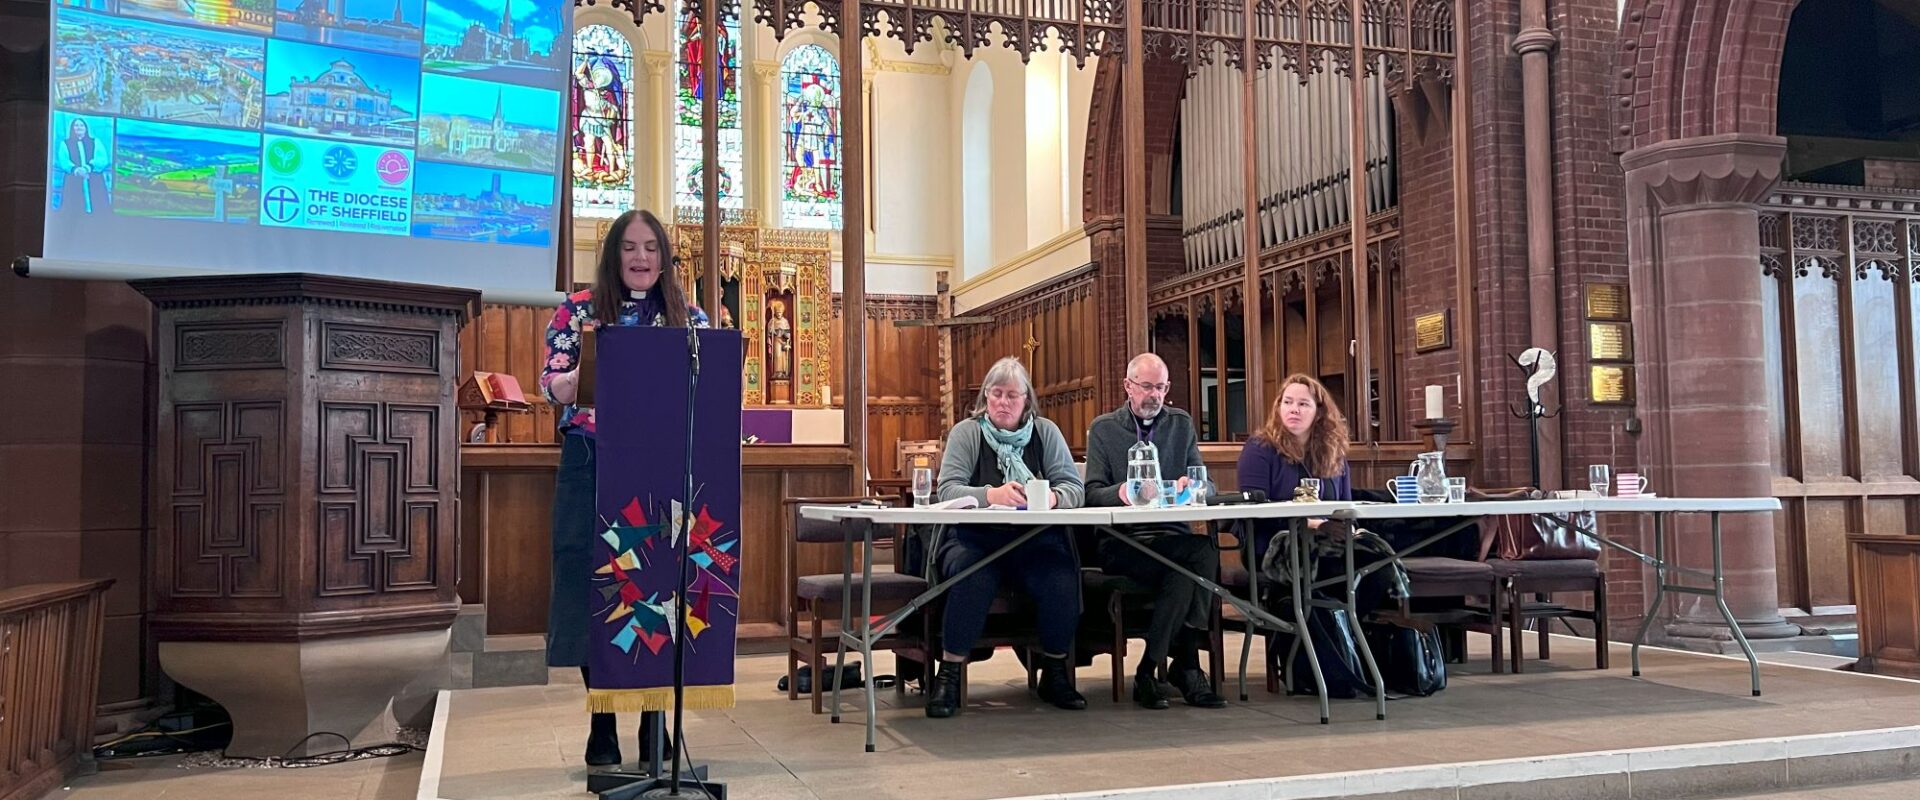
[{"x": 779, "y": 340}]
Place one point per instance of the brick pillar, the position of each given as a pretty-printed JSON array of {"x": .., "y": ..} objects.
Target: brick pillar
[{"x": 1693, "y": 243}]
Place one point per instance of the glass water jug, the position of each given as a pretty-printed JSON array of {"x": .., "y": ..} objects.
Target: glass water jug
[
  {"x": 1430, "y": 477},
  {"x": 1143, "y": 473}
]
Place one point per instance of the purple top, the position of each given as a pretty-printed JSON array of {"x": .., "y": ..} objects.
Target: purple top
[{"x": 1263, "y": 468}]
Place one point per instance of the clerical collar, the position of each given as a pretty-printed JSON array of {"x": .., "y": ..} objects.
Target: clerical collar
[
  {"x": 1143, "y": 428},
  {"x": 637, "y": 294}
]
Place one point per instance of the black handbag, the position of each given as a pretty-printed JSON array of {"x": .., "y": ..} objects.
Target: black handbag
[{"x": 1411, "y": 660}]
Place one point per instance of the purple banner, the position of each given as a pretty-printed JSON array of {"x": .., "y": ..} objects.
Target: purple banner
[{"x": 636, "y": 601}]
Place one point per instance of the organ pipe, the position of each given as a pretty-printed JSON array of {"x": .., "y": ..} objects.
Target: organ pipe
[{"x": 1305, "y": 144}]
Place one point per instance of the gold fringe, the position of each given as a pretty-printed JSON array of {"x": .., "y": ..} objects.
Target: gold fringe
[{"x": 627, "y": 701}]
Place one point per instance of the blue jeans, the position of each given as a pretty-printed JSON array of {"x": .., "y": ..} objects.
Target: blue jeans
[{"x": 575, "y": 518}]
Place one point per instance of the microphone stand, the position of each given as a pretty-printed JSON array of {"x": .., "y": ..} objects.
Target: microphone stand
[{"x": 652, "y": 786}]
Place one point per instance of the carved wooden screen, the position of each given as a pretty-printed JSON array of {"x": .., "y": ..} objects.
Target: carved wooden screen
[
  {"x": 1306, "y": 321},
  {"x": 1050, "y": 329},
  {"x": 903, "y": 375},
  {"x": 1840, "y": 331}
]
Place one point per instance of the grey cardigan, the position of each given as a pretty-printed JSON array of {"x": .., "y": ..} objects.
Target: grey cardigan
[
  {"x": 1114, "y": 433},
  {"x": 963, "y": 451}
]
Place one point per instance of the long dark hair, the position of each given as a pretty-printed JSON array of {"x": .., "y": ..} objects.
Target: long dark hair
[
  {"x": 1326, "y": 446},
  {"x": 609, "y": 290}
]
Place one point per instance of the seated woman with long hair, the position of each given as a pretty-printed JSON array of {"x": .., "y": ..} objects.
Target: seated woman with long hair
[
  {"x": 990, "y": 456},
  {"x": 1305, "y": 436}
]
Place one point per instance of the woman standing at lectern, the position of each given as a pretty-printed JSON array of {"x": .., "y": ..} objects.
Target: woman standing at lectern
[{"x": 630, "y": 287}]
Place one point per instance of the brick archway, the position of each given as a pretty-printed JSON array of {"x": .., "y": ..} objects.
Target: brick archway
[
  {"x": 1688, "y": 68},
  {"x": 1696, "y": 110}
]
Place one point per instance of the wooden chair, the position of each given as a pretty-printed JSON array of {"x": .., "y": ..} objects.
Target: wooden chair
[
  {"x": 1542, "y": 579},
  {"x": 819, "y": 598}
]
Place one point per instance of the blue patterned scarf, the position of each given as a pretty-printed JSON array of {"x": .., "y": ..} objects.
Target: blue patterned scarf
[{"x": 1010, "y": 446}]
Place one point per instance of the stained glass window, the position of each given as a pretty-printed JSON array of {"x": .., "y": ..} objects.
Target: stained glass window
[
  {"x": 602, "y": 142},
  {"x": 687, "y": 155},
  {"x": 810, "y": 136}
]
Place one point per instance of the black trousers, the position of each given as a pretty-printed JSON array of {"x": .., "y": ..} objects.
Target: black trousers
[
  {"x": 1044, "y": 566},
  {"x": 1177, "y": 600}
]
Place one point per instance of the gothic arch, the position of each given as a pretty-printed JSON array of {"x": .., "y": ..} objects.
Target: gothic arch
[{"x": 1689, "y": 68}]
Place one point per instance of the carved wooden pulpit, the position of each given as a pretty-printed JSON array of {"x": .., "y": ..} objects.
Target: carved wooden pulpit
[{"x": 306, "y": 478}]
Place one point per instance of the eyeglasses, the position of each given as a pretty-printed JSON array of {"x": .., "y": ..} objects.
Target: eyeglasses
[
  {"x": 1151, "y": 387},
  {"x": 1002, "y": 394}
]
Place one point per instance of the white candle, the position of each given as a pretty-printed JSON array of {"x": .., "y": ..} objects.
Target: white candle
[{"x": 1434, "y": 409}]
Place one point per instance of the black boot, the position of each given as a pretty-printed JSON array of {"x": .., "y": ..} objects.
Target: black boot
[
  {"x": 943, "y": 696},
  {"x": 1146, "y": 691},
  {"x": 646, "y": 738},
  {"x": 1056, "y": 684},
  {"x": 603, "y": 743}
]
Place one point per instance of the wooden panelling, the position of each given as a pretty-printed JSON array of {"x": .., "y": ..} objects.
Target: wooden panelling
[
  {"x": 507, "y": 529},
  {"x": 1051, "y": 329},
  {"x": 510, "y": 339},
  {"x": 1886, "y": 583},
  {"x": 50, "y": 637},
  {"x": 1839, "y": 265},
  {"x": 903, "y": 374}
]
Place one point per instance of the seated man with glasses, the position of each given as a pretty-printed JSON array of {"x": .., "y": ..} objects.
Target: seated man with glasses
[{"x": 1181, "y": 609}]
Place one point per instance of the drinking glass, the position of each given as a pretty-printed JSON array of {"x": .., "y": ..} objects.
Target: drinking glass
[
  {"x": 1197, "y": 477},
  {"x": 1598, "y": 476},
  {"x": 1169, "y": 496},
  {"x": 1312, "y": 485},
  {"x": 1456, "y": 490},
  {"x": 922, "y": 486}
]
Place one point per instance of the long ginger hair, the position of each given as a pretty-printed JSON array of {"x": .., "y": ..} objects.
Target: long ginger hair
[{"x": 1325, "y": 450}]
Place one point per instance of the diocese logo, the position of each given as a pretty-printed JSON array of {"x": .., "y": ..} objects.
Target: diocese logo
[
  {"x": 339, "y": 162},
  {"x": 283, "y": 157},
  {"x": 393, "y": 168}
]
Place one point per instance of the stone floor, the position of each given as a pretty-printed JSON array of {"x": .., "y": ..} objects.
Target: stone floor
[
  {"x": 1884, "y": 790},
  {"x": 525, "y": 742}
]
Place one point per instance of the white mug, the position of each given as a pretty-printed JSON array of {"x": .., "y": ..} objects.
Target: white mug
[
  {"x": 1039, "y": 496},
  {"x": 1629, "y": 484}
]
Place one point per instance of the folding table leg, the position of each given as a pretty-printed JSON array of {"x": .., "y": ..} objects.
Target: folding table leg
[
  {"x": 1659, "y": 591},
  {"x": 1720, "y": 599}
]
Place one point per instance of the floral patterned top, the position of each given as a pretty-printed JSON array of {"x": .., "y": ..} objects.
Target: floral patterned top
[{"x": 573, "y": 319}]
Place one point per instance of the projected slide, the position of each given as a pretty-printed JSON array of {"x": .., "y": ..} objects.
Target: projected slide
[
  {"x": 481, "y": 205},
  {"x": 346, "y": 94},
  {"x": 314, "y": 126},
  {"x": 386, "y": 26},
  {"x": 489, "y": 124},
  {"x": 183, "y": 172},
  {"x": 501, "y": 40}
]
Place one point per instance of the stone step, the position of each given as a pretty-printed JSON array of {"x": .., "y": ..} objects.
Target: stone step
[
  {"x": 469, "y": 629},
  {"x": 508, "y": 661}
]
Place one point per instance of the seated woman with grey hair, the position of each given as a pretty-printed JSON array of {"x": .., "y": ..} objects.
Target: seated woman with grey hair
[{"x": 990, "y": 456}]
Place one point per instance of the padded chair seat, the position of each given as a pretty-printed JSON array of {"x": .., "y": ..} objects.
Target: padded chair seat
[
  {"x": 1438, "y": 568},
  {"x": 1099, "y": 581},
  {"x": 1557, "y": 569},
  {"x": 886, "y": 586}
]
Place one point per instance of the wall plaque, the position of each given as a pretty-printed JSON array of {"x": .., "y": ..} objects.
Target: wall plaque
[
  {"x": 1611, "y": 383},
  {"x": 1607, "y": 301},
  {"x": 1432, "y": 332},
  {"x": 1610, "y": 341}
]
